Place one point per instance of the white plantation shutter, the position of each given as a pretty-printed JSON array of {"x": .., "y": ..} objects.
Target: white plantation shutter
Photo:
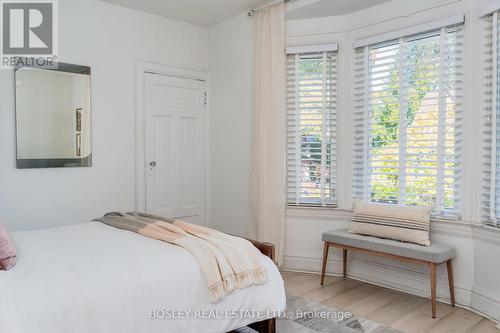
[
  {"x": 407, "y": 118},
  {"x": 491, "y": 93},
  {"x": 311, "y": 128}
]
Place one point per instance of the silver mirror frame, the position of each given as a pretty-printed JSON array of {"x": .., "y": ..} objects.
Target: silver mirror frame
[{"x": 52, "y": 162}]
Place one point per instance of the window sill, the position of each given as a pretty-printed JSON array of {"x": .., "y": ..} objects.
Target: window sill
[
  {"x": 487, "y": 233},
  {"x": 318, "y": 213},
  {"x": 342, "y": 213},
  {"x": 452, "y": 228}
]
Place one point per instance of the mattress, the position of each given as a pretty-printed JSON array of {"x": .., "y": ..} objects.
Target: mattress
[{"x": 92, "y": 278}]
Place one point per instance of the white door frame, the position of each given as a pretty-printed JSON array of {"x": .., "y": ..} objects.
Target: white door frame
[{"x": 142, "y": 67}]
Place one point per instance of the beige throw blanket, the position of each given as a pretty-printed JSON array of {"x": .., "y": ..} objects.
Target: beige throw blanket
[{"x": 227, "y": 262}]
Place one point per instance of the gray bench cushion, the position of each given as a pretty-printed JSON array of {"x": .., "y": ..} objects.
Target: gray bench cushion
[{"x": 436, "y": 252}]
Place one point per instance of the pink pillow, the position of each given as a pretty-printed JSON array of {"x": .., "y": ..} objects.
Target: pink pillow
[{"x": 7, "y": 249}]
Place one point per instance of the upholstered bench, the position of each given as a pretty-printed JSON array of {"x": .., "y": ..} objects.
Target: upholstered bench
[{"x": 431, "y": 256}]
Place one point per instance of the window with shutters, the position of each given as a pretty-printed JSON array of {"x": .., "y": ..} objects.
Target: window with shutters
[
  {"x": 408, "y": 106},
  {"x": 491, "y": 93},
  {"x": 311, "y": 128}
]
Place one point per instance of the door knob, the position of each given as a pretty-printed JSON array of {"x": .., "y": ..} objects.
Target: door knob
[{"x": 152, "y": 163}]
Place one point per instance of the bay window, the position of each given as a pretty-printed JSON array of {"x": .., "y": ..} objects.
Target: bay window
[{"x": 408, "y": 107}]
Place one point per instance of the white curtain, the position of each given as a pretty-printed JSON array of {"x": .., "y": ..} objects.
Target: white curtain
[{"x": 267, "y": 182}]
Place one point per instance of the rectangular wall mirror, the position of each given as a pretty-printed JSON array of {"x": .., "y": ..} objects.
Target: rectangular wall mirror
[{"x": 53, "y": 120}]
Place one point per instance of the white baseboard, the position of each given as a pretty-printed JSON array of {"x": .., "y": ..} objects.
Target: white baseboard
[
  {"x": 404, "y": 280},
  {"x": 486, "y": 306}
]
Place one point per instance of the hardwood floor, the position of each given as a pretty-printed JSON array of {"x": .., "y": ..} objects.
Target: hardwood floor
[{"x": 398, "y": 310}]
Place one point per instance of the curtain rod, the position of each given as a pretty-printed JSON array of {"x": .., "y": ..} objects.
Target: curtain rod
[{"x": 252, "y": 11}]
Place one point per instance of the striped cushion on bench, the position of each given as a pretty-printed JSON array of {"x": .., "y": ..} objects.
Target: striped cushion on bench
[{"x": 403, "y": 223}]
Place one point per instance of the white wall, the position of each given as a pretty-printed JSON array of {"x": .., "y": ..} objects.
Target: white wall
[
  {"x": 478, "y": 249},
  {"x": 486, "y": 291},
  {"x": 230, "y": 45},
  {"x": 109, "y": 39}
]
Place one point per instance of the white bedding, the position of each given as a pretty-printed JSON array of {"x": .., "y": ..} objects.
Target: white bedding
[{"x": 92, "y": 278}]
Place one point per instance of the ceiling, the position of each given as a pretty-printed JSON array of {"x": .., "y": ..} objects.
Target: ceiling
[
  {"x": 208, "y": 12},
  {"x": 200, "y": 12},
  {"x": 322, "y": 8}
]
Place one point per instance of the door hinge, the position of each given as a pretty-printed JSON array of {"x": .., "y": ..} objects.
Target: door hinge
[{"x": 204, "y": 98}]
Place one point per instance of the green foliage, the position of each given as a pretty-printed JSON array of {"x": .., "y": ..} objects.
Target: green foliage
[{"x": 421, "y": 69}]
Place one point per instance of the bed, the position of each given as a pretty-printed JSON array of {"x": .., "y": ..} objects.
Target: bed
[{"x": 92, "y": 278}]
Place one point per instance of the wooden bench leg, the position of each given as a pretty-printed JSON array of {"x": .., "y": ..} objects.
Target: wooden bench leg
[
  {"x": 344, "y": 262},
  {"x": 326, "y": 246},
  {"x": 449, "y": 266},
  {"x": 433, "y": 288}
]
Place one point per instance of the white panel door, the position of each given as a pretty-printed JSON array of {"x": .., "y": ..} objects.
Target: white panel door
[{"x": 175, "y": 147}]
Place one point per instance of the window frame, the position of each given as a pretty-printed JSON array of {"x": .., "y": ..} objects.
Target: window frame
[
  {"x": 491, "y": 117},
  {"x": 362, "y": 110},
  {"x": 329, "y": 114}
]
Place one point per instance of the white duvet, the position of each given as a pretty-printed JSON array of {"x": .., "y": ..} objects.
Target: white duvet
[{"x": 92, "y": 278}]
